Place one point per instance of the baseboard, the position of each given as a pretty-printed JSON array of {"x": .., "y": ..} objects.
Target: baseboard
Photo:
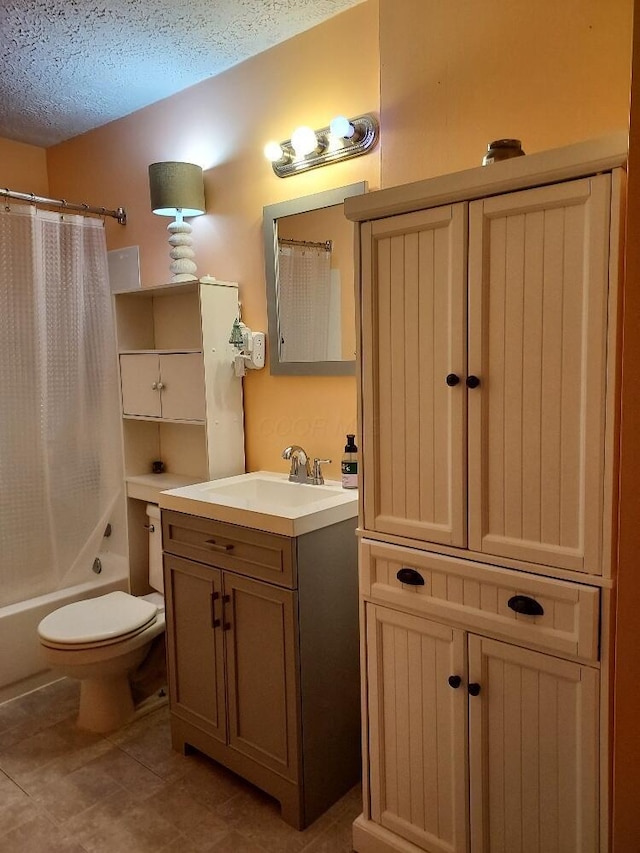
[{"x": 370, "y": 837}]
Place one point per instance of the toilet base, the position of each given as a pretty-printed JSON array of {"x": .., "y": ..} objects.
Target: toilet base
[{"x": 105, "y": 703}]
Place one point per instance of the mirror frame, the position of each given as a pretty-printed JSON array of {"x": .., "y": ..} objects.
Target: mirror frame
[{"x": 271, "y": 214}]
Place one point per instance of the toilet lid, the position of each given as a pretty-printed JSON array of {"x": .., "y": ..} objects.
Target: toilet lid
[{"x": 95, "y": 620}]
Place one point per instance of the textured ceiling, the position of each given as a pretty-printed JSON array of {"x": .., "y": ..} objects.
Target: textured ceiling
[{"x": 67, "y": 66}]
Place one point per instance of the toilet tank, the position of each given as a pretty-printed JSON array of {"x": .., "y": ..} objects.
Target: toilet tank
[{"x": 155, "y": 548}]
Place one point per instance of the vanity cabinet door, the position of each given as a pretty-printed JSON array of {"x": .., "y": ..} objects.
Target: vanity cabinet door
[
  {"x": 195, "y": 656},
  {"x": 413, "y": 357},
  {"x": 533, "y": 751},
  {"x": 261, "y": 658},
  {"x": 418, "y": 729}
]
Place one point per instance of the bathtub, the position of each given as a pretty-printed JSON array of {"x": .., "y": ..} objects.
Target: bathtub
[{"x": 21, "y": 667}]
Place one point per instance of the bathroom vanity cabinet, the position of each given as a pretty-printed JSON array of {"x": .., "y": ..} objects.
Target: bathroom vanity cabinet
[
  {"x": 488, "y": 364},
  {"x": 262, "y": 642},
  {"x": 181, "y": 401}
]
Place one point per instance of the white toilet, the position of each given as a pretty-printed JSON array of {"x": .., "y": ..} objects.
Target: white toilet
[{"x": 100, "y": 641}]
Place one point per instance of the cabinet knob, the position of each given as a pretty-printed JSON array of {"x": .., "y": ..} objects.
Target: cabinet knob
[
  {"x": 454, "y": 681},
  {"x": 452, "y": 379},
  {"x": 410, "y": 576},
  {"x": 160, "y": 386},
  {"x": 474, "y": 688},
  {"x": 525, "y": 604},
  {"x": 154, "y": 386},
  {"x": 472, "y": 381}
]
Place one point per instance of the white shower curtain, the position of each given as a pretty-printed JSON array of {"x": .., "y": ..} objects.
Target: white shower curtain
[
  {"x": 304, "y": 299},
  {"x": 60, "y": 460}
]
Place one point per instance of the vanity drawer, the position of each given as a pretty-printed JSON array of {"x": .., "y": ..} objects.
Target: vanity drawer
[
  {"x": 481, "y": 598},
  {"x": 265, "y": 556}
]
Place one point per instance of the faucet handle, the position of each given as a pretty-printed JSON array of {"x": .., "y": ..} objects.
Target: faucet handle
[{"x": 318, "y": 479}]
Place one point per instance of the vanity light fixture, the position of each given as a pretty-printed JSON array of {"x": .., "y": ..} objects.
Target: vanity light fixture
[
  {"x": 177, "y": 190},
  {"x": 309, "y": 148}
]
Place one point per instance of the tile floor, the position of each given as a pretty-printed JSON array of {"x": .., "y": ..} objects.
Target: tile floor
[{"x": 67, "y": 791}]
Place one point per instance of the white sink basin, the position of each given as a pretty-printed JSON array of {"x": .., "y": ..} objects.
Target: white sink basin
[
  {"x": 259, "y": 490},
  {"x": 266, "y": 501}
]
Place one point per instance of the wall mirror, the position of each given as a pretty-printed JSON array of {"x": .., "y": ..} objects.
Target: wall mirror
[{"x": 308, "y": 249}]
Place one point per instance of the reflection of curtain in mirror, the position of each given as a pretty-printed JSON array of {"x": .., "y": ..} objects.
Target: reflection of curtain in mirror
[{"x": 304, "y": 301}]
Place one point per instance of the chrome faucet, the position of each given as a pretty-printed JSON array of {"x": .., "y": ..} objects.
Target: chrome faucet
[{"x": 301, "y": 471}]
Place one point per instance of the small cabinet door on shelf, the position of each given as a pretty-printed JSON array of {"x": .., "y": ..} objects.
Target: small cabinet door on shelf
[
  {"x": 530, "y": 367},
  {"x": 240, "y": 684},
  {"x": 477, "y": 745},
  {"x": 168, "y": 386}
]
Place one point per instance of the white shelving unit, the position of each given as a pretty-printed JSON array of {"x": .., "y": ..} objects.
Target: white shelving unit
[{"x": 181, "y": 401}]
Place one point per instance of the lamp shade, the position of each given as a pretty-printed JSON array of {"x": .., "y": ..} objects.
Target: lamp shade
[{"x": 176, "y": 187}]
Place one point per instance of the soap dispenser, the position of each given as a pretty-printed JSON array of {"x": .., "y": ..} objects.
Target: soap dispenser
[{"x": 350, "y": 464}]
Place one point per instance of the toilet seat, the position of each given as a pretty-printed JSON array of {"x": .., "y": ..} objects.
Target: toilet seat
[{"x": 96, "y": 622}]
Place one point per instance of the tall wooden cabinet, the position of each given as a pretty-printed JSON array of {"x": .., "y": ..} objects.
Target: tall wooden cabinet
[{"x": 487, "y": 395}]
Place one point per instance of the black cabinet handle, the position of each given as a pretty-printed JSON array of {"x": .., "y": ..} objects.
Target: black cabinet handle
[
  {"x": 474, "y": 688},
  {"x": 454, "y": 681},
  {"x": 226, "y": 626},
  {"x": 217, "y": 546},
  {"x": 410, "y": 576},
  {"x": 525, "y": 604},
  {"x": 452, "y": 380},
  {"x": 215, "y": 622},
  {"x": 472, "y": 381}
]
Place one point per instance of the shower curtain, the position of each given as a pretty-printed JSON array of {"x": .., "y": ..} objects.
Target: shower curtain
[
  {"x": 304, "y": 302},
  {"x": 60, "y": 459}
]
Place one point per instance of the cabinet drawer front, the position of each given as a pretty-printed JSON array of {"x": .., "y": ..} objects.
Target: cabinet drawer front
[
  {"x": 483, "y": 598},
  {"x": 265, "y": 556}
]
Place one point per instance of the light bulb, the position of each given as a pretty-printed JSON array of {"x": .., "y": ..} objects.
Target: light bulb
[
  {"x": 304, "y": 140},
  {"x": 273, "y": 151},
  {"x": 341, "y": 126}
]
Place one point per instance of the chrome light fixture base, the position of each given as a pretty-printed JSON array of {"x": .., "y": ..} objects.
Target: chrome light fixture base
[{"x": 330, "y": 149}]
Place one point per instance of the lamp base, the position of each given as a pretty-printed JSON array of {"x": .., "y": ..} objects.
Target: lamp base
[
  {"x": 183, "y": 276},
  {"x": 181, "y": 254}
]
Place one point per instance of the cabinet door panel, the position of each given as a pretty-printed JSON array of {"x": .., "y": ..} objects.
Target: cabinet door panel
[
  {"x": 417, "y": 729},
  {"x": 182, "y": 377},
  {"x": 261, "y": 671},
  {"x": 533, "y": 756},
  {"x": 413, "y": 336},
  {"x": 194, "y": 644},
  {"x": 538, "y": 284},
  {"x": 139, "y": 373}
]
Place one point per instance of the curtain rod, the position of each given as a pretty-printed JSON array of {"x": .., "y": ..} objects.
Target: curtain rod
[
  {"x": 327, "y": 245},
  {"x": 120, "y": 214}
]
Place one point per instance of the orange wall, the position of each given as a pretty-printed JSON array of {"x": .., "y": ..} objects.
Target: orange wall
[
  {"x": 448, "y": 81},
  {"x": 23, "y": 167},
  {"x": 455, "y": 76},
  {"x": 223, "y": 124},
  {"x": 626, "y": 744}
]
